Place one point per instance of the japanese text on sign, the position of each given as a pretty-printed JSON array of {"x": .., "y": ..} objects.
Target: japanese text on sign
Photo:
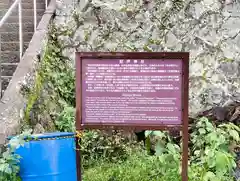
[{"x": 132, "y": 91}]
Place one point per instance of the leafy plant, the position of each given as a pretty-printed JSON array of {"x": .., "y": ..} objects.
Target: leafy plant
[
  {"x": 211, "y": 149},
  {"x": 9, "y": 160},
  {"x": 101, "y": 146},
  {"x": 66, "y": 119},
  {"x": 211, "y": 157},
  {"x": 58, "y": 72}
]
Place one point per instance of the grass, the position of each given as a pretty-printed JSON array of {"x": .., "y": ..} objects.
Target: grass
[{"x": 138, "y": 167}]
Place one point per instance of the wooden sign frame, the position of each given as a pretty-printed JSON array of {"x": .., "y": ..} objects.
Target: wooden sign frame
[{"x": 184, "y": 56}]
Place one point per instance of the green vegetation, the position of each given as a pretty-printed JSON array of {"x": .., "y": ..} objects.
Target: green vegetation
[
  {"x": 53, "y": 92},
  {"x": 101, "y": 146},
  {"x": 113, "y": 158},
  {"x": 139, "y": 166},
  {"x": 210, "y": 158},
  {"x": 9, "y": 160}
]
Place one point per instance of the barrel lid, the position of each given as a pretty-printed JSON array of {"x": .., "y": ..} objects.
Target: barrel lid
[
  {"x": 52, "y": 135},
  {"x": 47, "y": 135}
]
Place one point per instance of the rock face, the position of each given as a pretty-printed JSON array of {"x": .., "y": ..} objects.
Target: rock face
[{"x": 208, "y": 29}]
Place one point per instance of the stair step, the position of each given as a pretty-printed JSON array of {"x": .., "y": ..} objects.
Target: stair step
[
  {"x": 29, "y": 12},
  {"x": 13, "y": 46},
  {"x": 7, "y": 1},
  {"x": 8, "y": 69},
  {"x": 40, "y": 5},
  {"x": 9, "y": 64},
  {"x": 6, "y": 77},
  {"x": 10, "y": 57},
  {"x": 14, "y": 27},
  {"x": 14, "y": 19},
  {"x": 6, "y": 37}
]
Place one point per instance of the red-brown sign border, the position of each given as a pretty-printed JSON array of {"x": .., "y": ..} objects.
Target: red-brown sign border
[{"x": 136, "y": 55}]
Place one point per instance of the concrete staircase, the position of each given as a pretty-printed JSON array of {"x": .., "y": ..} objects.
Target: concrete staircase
[{"x": 9, "y": 53}]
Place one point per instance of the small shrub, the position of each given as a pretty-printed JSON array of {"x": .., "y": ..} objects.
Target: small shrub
[
  {"x": 210, "y": 155},
  {"x": 100, "y": 146},
  {"x": 66, "y": 119},
  {"x": 9, "y": 161}
]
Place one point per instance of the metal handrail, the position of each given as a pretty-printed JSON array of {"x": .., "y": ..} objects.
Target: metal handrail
[
  {"x": 8, "y": 13},
  {"x": 4, "y": 19},
  {"x": 35, "y": 14},
  {"x": 20, "y": 28}
]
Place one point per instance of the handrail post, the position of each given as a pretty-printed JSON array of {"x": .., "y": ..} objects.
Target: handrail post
[
  {"x": 0, "y": 67},
  {"x": 35, "y": 14},
  {"x": 20, "y": 29},
  {"x": 46, "y": 4}
]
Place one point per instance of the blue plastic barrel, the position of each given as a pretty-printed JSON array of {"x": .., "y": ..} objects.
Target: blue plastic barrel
[{"x": 48, "y": 157}]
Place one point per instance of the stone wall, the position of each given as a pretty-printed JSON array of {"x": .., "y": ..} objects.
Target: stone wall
[{"x": 208, "y": 29}]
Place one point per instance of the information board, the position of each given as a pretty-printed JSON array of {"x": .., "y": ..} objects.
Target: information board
[
  {"x": 131, "y": 91},
  {"x": 134, "y": 90},
  {"x": 125, "y": 89}
]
